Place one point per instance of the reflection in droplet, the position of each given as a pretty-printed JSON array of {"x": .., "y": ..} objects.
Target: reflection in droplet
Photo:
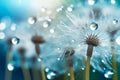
[
  {"x": 2, "y": 26},
  {"x": 10, "y": 67},
  {"x": 108, "y": 73},
  {"x": 115, "y": 21},
  {"x": 2, "y": 35},
  {"x": 52, "y": 31},
  {"x": 93, "y": 26},
  {"x": 118, "y": 40},
  {"x": 15, "y": 40},
  {"x": 32, "y": 20},
  {"x": 45, "y": 24}
]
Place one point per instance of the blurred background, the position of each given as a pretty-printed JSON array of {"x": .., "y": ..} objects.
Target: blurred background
[{"x": 57, "y": 21}]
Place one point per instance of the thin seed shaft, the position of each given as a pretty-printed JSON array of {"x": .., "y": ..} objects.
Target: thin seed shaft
[
  {"x": 34, "y": 70},
  {"x": 8, "y": 73},
  {"x": 90, "y": 50},
  {"x": 26, "y": 73},
  {"x": 41, "y": 64},
  {"x": 114, "y": 65},
  {"x": 42, "y": 71},
  {"x": 87, "y": 69},
  {"x": 71, "y": 73}
]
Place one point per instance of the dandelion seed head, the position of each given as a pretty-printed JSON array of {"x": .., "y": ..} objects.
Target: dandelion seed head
[
  {"x": 92, "y": 40},
  {"x": 37, "y": 39}
]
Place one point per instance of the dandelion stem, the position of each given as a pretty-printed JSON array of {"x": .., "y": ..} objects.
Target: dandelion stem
[
  {"x": 42, "y": 71},
  {"x": 69, "y": 61},
  {"x": 24, "y": 67},
  {"x": 87, "y": 69},
  {"x": 8, "y": 73},
  {"x": 39, "y": 40},
  {"x": 8, "y": 59},
  {"x": 26, "y": 73},
  {"x": 34, "y": 70},
  {"x": 41, "y": 64},
  {"x": 71, "y": 73},
  {"x": 114, "y": 65}
]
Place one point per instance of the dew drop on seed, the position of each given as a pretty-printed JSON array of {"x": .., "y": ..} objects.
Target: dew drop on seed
[
  {"x": 2, "y": 26},
  {"x": 93, "y": 26},
  {"x": 68, "y": 74},
  {"x": 32, "y": 20},
  {"x": 52, "y": 31},
  {"x": 15, "y": 40},
  {"x": 118, "y": 40},
  {"x": 94, "y": 70},
  {"x": 115, "y": 21},
  {"x": 108, "y": 73},
  {"x": 51, "y": 74},
  {"x": 2, "y": 35},
  {"x": 70, "y": 9},
  {"x": 10, "y": 67},
  {"x": 45, "y": 24}
]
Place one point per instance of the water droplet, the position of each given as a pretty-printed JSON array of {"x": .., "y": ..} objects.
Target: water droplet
[
  {"x": 45, "y": 24},
  {"x": 58, "y": 48},
  {"x": 47, "y": 69},
  {"x": 52, "y": 31},
  {"x": 2, "y": 35},
  {"x": 51, "y": 74},
  {"x": 60, "y": 8},
  {"x": 79, "y": 45},
  {"x": 113, "y": 1},
  {"x": 32, "y": 20},
  {"x": 102, "y": 61},
  {"x": 10, "y": 67},
  {"x": 68, "y": 74},
  {"x": 108, "y": 73},
  {"x": 58, "y": 59},
  {"x": 94, "y": 70},
  {"x": 48, "y": 19},
  {"x": 93, "y": 26},
  {"x": 115, "y": 21},
  {"x": 15, "y": 40},
  {"x": 13, "y": 27},
  {"x": 43, "y": 9},
  {"x": 73, "y": 41},
  {"x": 91, "y": 2},
  {"x": 118, "y": 40},
  {"x": 70, "y": 9},
  {"x": 83, "y": 68},
  {"x": 39, "y": 59},
  {"x": 2, "y": 26}
]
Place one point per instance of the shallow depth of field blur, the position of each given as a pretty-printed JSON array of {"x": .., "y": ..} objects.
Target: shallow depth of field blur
[{"x": 62, "y": 24}]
